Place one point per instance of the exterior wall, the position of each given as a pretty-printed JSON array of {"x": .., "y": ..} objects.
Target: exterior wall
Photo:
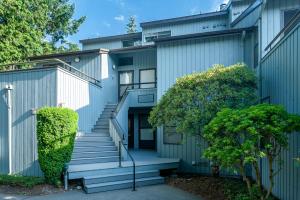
[
  {"x": 272, "y": 19},
  {"x": 280, "y": 81},
  {"x": 214, "y": 24},
  {"x": 141, "y": 60},
  {"x": 104, "y": 45},
  {"x": 238, "y": 7},
  {"x": 32, "y": 89},
  {"x": 185, "y": 57},
  {"x": 251, "y": 19},
  {"x": 80, "y": 95}
]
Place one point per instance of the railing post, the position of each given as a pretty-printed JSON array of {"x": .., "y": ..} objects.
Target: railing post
[
  {"x": 120, "y": 154},
  {"x": 133, "y": 176}
]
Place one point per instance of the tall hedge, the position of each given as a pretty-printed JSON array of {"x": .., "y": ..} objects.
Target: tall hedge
[
  {"x": 56, "y": 131},
  {"x": 195, "y": 99}
]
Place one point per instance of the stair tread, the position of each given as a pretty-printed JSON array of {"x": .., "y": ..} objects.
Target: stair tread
[
  {"x": 95, "y": 152},
  {"x": 98, "y": 157},
  {"x": 119, "y": 174},
  {"x": 122, "y": 182}
]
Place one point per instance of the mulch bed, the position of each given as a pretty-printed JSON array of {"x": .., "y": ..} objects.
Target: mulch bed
[{"x": 209, "y": 188}]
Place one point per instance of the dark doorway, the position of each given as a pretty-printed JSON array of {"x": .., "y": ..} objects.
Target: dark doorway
[
  {"x": 147, "y": 136},
  {"x": 131, "y": 131}
]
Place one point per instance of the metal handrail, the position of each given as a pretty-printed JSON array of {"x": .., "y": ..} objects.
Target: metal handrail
[
  {"x": 285, "y": 30},
  {"x": 51, "y": 62},
  {"x": 121, "y": 143}
]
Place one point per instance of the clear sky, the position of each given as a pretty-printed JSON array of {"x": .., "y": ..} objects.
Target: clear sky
[{"x": 109, "y": 17}]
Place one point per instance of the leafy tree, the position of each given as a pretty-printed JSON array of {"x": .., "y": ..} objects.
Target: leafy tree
[
  {"x": 242, "y": 137},
  {"x": 25, "y": 25},
  {"x": 195, "y": 99},
  {"x": 131, "y": 26}
]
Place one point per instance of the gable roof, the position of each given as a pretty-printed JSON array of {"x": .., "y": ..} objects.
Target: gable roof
[
  {"x": 183, "y": 19},
  {"x": 137, "y": 35}
]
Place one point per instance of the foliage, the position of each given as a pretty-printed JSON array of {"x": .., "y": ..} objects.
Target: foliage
[
  {"x": 131, "y": 26},
  {"x": 23, "y": 181},
  {"x": 56, "y": 131},
  {"x": 244, "y": 136},
  {"x": 34, "y": 27},
  {"x": 195, "y": 99}
]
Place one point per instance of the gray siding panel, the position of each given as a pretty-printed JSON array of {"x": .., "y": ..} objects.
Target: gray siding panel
[
  {"x": 180, "y": 58},
  {"x": 280, "y": 76},
  {"x": 32, "y": 90},
  {"x": 103, "y": 45}
]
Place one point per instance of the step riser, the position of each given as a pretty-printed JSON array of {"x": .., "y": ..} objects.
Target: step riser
[
  {"x": 92, "y": 155},
  {"x": 123, "y": 186},
  {"x": 85, "y": 173},
  {"x": 93, "y": 135},
  {"x": 94, "y": 149},
  {"x": 94, "y": 144},
  {"x": 91, "y": 161},
  {"x": 101, "y": 127},
  {"x": 94, "y": 139},
  {"x": 119, "y": 178}
]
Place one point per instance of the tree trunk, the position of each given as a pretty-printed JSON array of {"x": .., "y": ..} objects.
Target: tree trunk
[
  {"x": 271, "y": 175},
  {"x": 258, "y": 181},
  {"x": 243, "y": 173}
]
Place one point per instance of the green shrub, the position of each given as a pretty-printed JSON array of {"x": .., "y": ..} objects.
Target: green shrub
[
  {"x": 23, "y": 181},
  {"x": 195, "y": 99},
  {"x": 56, "y": 131}
]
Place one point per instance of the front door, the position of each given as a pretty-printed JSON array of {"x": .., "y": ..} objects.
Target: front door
[{"x": 147, "y": 135}]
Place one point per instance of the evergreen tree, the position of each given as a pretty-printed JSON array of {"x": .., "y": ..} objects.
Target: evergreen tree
[{"x": 131, "y": 26}]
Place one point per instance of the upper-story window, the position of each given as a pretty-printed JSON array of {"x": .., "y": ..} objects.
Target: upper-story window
[
  {"x": 131, "y": 43},
  {"x": 152, "y": 36},
  {"x": 125, "y": 61},
  {"x": 147, "y": 78},
  {"x": 288, "y": 16}
]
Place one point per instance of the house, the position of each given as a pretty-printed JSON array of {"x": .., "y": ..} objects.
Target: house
[{"x": 115, "y": 81}]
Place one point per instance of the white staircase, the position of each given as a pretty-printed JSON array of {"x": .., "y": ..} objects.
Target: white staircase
[{"x": 95, "y": 161}]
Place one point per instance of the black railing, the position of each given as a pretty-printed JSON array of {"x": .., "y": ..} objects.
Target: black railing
[
  {"x": 48, "y": 63},
  {"x": 294, "y": 21},
  {"x": 140, "y": 86},
  {"x": 122, "y": 145}
]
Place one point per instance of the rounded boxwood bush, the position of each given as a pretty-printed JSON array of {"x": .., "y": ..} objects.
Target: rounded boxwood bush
[{"x": 56, "y": 131}]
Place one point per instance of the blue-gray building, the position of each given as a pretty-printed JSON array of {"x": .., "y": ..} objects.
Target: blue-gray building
[{"x": 115, "y": 81}]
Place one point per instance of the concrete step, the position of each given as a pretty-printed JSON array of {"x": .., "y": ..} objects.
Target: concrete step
[
  {"x": 100, "y": 130},
  {"x": 118, "y": 177},
  {"x": 93, "y": 143},
  {"x": 79, "y": 161},
  {"x": 82, "y": 149},
  {"x": 101, "y": 126},
  {"x": 93, "y": 139},
  {"x": 92, "y": 135},
  {"x": 117, "y": 185},
  {"x": 81, "y": 171},
  {"x": 93, "y": 154},
  {"x": 102, "y": 122}
]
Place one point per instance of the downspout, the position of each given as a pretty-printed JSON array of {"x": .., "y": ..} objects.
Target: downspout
[{"x": 9, "y": 88}]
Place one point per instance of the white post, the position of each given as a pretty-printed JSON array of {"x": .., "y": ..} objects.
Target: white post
[{"x": 9, "y": 126}]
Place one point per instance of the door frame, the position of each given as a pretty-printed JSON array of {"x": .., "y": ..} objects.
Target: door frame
[{"x": 119, "y": 85}]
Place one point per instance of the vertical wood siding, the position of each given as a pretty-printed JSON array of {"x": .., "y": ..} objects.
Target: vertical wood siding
[
  {"x": 272, "y": 19},
  {"x": 280, "y": 81},
  {"x": 176, "y": 59},
  {"x": 238, "y": 7},
  {"x": 32, "y": 89},
  {"x": 104, "y": 45},
  {"x": 214, "y": 24},
  {"x": 85, "y": 98}
]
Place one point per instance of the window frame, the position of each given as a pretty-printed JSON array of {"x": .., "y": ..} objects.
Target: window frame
[
  {"x": 119, "y": 85},
  {"x": 170, "y": 143},
  {"x": 155, "y": 78},
  {"x": 157, "y": 35},
  {"x": 129, "y": 57}
]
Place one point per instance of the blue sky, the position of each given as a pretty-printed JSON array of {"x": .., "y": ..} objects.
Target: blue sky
[{"x": 109, "y": 17}]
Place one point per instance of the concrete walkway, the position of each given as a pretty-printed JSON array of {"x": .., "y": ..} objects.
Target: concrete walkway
[{"x": 158, "y": 192}]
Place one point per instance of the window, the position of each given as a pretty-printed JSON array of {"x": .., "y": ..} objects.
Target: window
[
  {"x": 131, "y": 43},
  {"x": 125, "y": 81},
  {"x": 288, "y": 16},
  {"x": 152, "y": 36},
  {"x": 171, "y": 136},
  {"x": 147, "y": 78},
  {"x": 125, "y": 61}
]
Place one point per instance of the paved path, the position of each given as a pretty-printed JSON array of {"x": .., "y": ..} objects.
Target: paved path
[{"x": 158, "y": 192}]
